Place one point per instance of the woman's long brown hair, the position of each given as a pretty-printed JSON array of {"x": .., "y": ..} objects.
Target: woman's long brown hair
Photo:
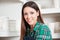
[{"x": 24, "y": 24}]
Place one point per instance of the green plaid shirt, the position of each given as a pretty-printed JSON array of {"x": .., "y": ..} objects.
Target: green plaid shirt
[{"x": 40, "y": 32}]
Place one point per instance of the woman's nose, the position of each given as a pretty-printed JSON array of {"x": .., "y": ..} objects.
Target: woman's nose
[{"x": 29, "y": 16}]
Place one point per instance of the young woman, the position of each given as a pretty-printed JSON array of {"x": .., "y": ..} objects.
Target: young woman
[{"x": 33, "y": 27}]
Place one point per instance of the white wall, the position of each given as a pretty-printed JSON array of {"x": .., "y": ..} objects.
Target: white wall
[{"x": 13, "y": 11}]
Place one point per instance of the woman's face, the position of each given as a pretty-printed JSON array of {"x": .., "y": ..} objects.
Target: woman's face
[{"x": 30, "y": 15}]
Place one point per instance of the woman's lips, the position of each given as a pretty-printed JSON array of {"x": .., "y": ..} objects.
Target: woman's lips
[{"x": 28, "y": 21}]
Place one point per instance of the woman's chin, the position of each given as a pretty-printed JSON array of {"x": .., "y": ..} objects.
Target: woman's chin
[{"x": 30, "y": 23}]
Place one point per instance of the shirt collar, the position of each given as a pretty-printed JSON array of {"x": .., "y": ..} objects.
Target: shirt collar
[{"x": 36, "y": 26}]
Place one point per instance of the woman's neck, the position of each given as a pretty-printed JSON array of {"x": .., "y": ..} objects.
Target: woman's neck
[{"x": 32, "y": 26}]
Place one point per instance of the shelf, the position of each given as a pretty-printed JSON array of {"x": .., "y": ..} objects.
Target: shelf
[
  {"x": 50, "y": 10},
  {"x": 57, "y": 35},
  {"x": 55, "y": 29},
  {"x": 8, "y": 27},
  {"x": 9, "y": 34}
]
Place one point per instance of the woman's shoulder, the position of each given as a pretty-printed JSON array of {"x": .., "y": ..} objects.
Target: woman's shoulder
[{"x": 43, "y": 26}]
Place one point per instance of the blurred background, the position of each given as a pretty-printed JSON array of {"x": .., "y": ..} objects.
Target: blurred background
[{"x": 10, "y": 17}]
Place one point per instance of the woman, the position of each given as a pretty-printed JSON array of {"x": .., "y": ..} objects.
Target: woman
[{"x": 33, "y": 27}]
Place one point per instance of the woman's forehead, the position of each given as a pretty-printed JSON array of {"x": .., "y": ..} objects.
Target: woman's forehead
[{"x": 29, "y": 8}]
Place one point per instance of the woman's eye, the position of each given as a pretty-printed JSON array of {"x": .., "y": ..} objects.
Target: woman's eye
[
  {"x": 25, "y": 13},
  {"x": 32, "y": 12}
]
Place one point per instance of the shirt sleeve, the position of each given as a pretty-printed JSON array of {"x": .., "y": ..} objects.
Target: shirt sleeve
[{"x": 44, "y": 33}]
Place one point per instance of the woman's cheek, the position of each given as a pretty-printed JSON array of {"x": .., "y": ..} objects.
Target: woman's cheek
[{"x": 25, "y": 17}]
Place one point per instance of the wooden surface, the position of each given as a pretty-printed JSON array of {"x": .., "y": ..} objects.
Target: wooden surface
[{"x": 56, "y": 39}]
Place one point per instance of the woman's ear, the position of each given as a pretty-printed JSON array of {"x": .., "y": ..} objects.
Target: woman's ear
[{"x": 37, "y": 13}]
